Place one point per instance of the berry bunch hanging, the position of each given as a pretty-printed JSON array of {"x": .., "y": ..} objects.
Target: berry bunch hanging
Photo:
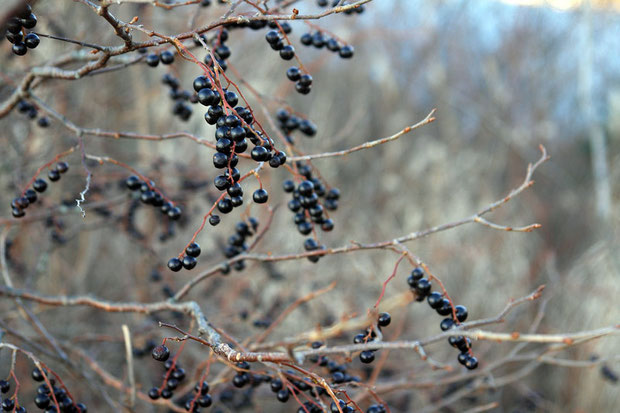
[
  {"x": 180, "y": 98},
  {"x": 17, "y": 28},
  {"x": 150, "y": 195},
  {"x": 29, "y": 196},
  {"x": 237, "y": 242},
  {"x": 422, "y": 287}
]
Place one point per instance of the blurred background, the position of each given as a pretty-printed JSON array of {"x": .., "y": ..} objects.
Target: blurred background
[{"x": 505, "y": 77}]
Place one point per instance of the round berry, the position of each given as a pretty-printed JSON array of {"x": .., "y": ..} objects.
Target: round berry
[
  {"x": 175, "y": 264},
  {"x": 283, "y": 395},
  {"x": 471, "y": 362},
  {"x": 31, "y": 40},
  {"x": 332, "y": 44},
  {"x": 133, "y": 183},
  {"x": 260, "y": 196},
  {"x": 154, "y": 393},
  {"x": 152, "y": 60},
  {"x": 201, "y": 82},
  {"x": 305, "y": 80},
  {"x": 5, "y": 386},
  {"x": 40, "y": 185},
  {"x": 287, "y": 52},
  {"x": 346, "y": 52},
  {"x": 225, "y": 205},
  {"x": 214, "y": 220},
  {"x": 19, "y": 48},
  {"x": 260, "y": 154},
  {"x": 189, "y": 262},
  {"x": 293, "y": 73},
  {"x": 174, "y": 213},
  {"x": 461, "y": 313},
  {"x": 43, "y": 121},
  {"x": 423, "y": 288},
  {"x": 367, "y": 356},
  {"x": 166, "y": 57},
  {"x": 204, "y": 401},
  {"x": 231, "y": 98},
  {"x": 53, "y": 175},
  {"x": 445, "y": 308},
  {"x": 272, "y": 36},
  {"x": 160, "y": 353},
  {"x": 193, "y": 249},
  {"x": 384, "y": 319},
  {"x": 306, "y": 39},
  {"x": 304, "y": 90},
  {"x": 327, "y": 225},
  {"x": 220, "y": 160},
  {"x": 62, "y": 167},
  {"x": 446, "y": 324},
  {"x": 434, "y": 299},
  {"x": 42, "y": 401}
]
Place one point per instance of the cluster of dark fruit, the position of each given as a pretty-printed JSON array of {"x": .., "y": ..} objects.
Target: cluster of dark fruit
[
  {"x": 31, "y": 111},
  {"x": 44, "y": 401},
  {"x": 333, "y": 408},
  {"x": 338, "y": 371},
  {"x": 166, "y": 57},
  {"x": 236, "y": 242},
  {"x": 305, "y": 203},
  {"x": 221, "y": 51},
  {"x": 232, "y": 134},
  {"x": 368, "y": 356},
  {"x": 149, "y": 196},
  {"x": 422, "y": 287},
  {"x": 188, "y": 261},
  {"x": 288, "y": 123},
  {"x": 318, "y": 40},
  {"x": 19, "y": 204},
  {"x": 180, "y": 98},
  {"x": 16, "y": 28},
  {"x": 324, "y": 3}
]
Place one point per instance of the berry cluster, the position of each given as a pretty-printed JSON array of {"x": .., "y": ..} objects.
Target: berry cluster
[
  {"x": 150, "y": 196},
  {"x": 16, "y": 29},
  {"x": 319, "y": 40},
  {"x": 29, "y": 196},
  {"x": 422, "y": 287},
  {"x": 180, "y": 98},
  {"x": 305, "y": 202},
  {"x": 166, "y": 57},
  {"x": 288, "y": 123},
  {"x": 236, "y": 242},
  {"x": 368, "y": 356},
  {"x": 31, "y": 111},
  {"x": 44, "y": 401},
  {"x": 188, "y": 261}
]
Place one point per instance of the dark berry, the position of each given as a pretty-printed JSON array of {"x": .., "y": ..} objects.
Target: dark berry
[
  {"x": 174, "y": 213},
  {"x": 37, "y": 375},
  {"x": 133, "y": 183},
  {"x": 223, "y": 52},
  {"x": 29, "y": 21},
  {"x": 332, "y": 44},
  {"x": 193, "y": 249},
  {"x": 272, "y": 36},
  {"x": 189, "y": 262},
  {"x": 214, "y": 220},
  {"x": 223, "y": 145},
  {"x": 31, "y": 40},
  {"x": 5, "y": 386},
  {"x": 304, "y": 228},
  {"x": 318, "y": 40},
  {"x": 160, "y": 353},
  {"x": 231, "y": 98},
  {"x": 201, "y": 82},
  {"x": 175, "y": 264},
  {"x": 204, "y": 401},
  {"x": 208, "y": 97},
  {"x": 42, "y": 401},
  {"x": 346, "y": 52},
  {"x": 221, "y": 182},
  {"x": 260, "y": 196},
  {"x": 62, "y": 167},
  {"x": 293, "y": 73},
  {"x": 154, "y": 393},
  {"x": 166, "y": 393},
  {"x": 166, "y": 57},
  {"x": 260, "y": 154},
  {"x": 461, "y": 313},
  {"x": 307, "y": 128},
  {"x": 306, "y": 39},
  {"x": 304, "y": 90},
  {"x": 305, "y": 80},
  {"x": 40, "y": 185},
  {"x": 8, "y": 404},
  {"x": 30, "y": 195},
  {"x": 220, "y": 160},
  {"x": 327, "y": 225},
  {"x": 434, "y": 299},
  {"x": 43, "y": 121},
  {"x": 423, "y": 288},
  {"x": 152, "y": 60},
  {"x": 384, "y": 319},
  {"x": 445, "y": 308},
  {"x": 53, "y": 175},
  {"x": 305, "y": 188},
  {"x": 225, "y": 205},
  {"x": 446, "y": 324},
  {"x": 367, "y": 356},
  {"x": 236, "y": 201},
  {"x": 235, "y": 190},
  {"x": 288, "y": 185},
  {"x": 471, "y": 362},
  {"x": 276, "y": 385},
  {"x": 283, "y": 395},
  {"x": 19, "y": 49},
  {"x": 240, "y": 379},
  {"x": 287, "y": 52}
]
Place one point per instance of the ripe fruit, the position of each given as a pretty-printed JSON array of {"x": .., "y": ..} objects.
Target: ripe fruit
[
  {"x": 175, "y": 264},
  {"x": 346, "y": 52},
  {"x": 423, "y": 288},
  {"x": 225, "y": 205},
  {"x": 260, "y": 196},
  {"x": 133, "y": 183},
  {"x": 471, "y": 362},
  {"x": 384, "y": 319},
  {"x": 160, "y": 353},
  {"x": 5, "y": 386},
  {"x": 446, "y": 324},
  {"x": 62, "y": 167},
  {"x": 153, "y": 393},
  {"x": 53, "y": 175},
  {"x": 461, "y": 313},
  {"x": 445, "y": 308},
  {"x": 174, "y": 213},
  {"x": 166, "y": 57},
  {"x": 214, "y": 220},
  {"x": 19, "y": 49},
  {"x": 287, "y": 52},
  {"x": 283, "y": 395},
  {"x": 367, "y": 356},
  {"x": 193, "y": 250},
  {"x": 435, "y": 300},
  {"x": 189, "y": 262},
  {"x": 293, "y": 73},
  {"x": 152, "y": 60},
  {"x": 31, "y": 40}
]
